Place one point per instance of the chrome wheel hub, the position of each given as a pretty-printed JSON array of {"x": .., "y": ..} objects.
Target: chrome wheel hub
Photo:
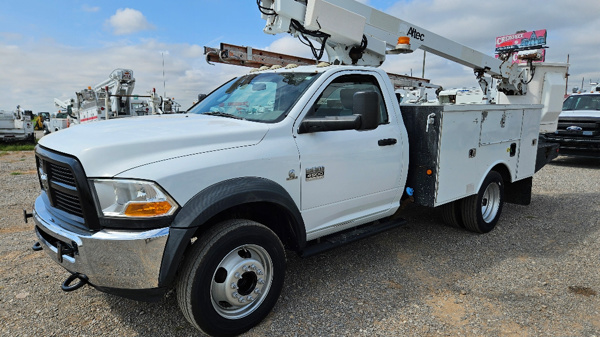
[
  {"x": 490, "y": 203},
  {"x": 241, "y": 281}
]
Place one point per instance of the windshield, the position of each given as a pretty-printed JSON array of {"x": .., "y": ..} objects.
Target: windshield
[
  {"x": 265, "y": 97},
  {"x": 582, "y": 102}
]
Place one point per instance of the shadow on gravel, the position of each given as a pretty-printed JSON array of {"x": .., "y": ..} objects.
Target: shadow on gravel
[
  {"x": 394, "y": 277},
  {"x": 582, "y": 162}
]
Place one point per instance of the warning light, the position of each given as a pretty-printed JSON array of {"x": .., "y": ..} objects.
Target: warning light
[
  {"x": 403, "y": 46},
  {"x": 429, "y": 172}
]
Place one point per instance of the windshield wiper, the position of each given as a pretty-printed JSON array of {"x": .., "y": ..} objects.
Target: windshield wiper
[{"x": 222, "y": 114}]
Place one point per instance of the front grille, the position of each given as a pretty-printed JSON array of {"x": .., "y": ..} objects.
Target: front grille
[
  {"x": 61, "y": 174},
  {"x": 65, "y": 183},
  {"x": 62, "y": 188},
  {"x": 586, "y": 126},
  {"x": 67, "y": 203}
]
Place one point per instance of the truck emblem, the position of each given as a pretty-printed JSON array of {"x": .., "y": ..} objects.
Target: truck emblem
[
  {"x": 44, "y": 179},
  {"x": 292, "y": 175},
  {"x": 315, "y": 173},
  {"x": 574, "y": 128}
]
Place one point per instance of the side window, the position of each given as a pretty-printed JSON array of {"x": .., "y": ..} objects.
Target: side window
[{"x": 337, "y": 98}]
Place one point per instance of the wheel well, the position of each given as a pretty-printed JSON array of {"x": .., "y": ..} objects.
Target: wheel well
[
  {"x": 274, "y": 216},
  {"x": 504, "y": 172}
]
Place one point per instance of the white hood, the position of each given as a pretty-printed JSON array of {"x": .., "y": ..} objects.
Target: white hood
[
  {"x": 108, "y": 148},
  {"x": 579, "y": 113}
]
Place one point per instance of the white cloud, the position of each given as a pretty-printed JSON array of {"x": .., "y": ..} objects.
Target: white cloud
[
  {"x": 39, "y": 71},
  {"x": 291, "y": 46},
  {"x": 128, "y": 21},
  {"x": 58, "y": 71}
]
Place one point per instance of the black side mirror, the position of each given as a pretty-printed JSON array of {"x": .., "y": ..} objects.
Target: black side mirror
[{"x": 366, "y": 104}]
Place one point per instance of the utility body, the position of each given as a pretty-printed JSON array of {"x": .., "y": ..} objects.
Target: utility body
[{"x": 294, "y": 158}]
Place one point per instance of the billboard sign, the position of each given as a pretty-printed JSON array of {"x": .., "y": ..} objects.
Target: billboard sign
[{"x": 522, "y": 41}]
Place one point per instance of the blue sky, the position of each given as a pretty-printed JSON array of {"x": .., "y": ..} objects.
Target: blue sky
[{"x": 51, "y": 49}]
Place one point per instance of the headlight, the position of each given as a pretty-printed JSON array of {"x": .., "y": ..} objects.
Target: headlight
[{"x": 132, "y": 199}]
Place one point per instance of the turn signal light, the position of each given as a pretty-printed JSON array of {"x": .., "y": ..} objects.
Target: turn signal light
[{"x": 147, "y": 209}]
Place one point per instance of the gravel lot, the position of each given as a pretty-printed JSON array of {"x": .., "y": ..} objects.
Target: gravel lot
[{"x": 536, "y": 274}]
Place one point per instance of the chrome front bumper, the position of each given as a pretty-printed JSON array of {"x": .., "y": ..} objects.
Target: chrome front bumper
[{"x": 123, "y": 259}]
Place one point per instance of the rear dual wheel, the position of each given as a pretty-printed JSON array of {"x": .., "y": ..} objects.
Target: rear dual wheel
[
  {"x": 232, "y": 277},
  {"x": 480, "y": 212}
]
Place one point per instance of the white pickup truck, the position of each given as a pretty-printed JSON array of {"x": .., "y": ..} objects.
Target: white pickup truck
[{"x": 286, "y": 158}]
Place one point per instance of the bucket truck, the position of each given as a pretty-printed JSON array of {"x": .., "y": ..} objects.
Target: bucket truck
[
  {"x": 303, "y": 158},
  {"x": 16, "y": 126}
]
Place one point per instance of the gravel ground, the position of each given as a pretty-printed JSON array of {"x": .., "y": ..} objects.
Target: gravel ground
[{"x": 536, "y": 274}]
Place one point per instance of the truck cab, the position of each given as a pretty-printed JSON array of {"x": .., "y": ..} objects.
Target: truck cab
[{"x": 578, "y": 131}]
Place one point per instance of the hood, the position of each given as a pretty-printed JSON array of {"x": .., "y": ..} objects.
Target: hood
[
  {"x": 579, "y": 114},
  {"x": 108, "y": 148}
]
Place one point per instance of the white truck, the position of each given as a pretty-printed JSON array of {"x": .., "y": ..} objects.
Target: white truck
[
  {"x": 578, "y": 131},
  {"x": 61, "y": 119},
  {"x": 16, "y": 126},
  {"x": 297, "y": 158}
]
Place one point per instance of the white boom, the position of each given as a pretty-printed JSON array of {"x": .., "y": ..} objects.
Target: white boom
[
  {"x": 117, "y": 89},
  {"x": 355, "y": 33}
]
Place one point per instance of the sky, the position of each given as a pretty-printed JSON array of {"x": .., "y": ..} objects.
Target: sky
[{"x": 51, "y": 49}]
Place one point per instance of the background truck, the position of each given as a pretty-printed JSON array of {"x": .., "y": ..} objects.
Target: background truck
[
  {"x": 578, "y": 131},
  {"x": 61, "y": 119},
  {"x": 291, "y": 158},
  {"x": 16, "y": 126}
]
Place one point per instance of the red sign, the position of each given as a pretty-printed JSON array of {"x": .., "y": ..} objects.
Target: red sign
[{"x": 522, "y": 41}]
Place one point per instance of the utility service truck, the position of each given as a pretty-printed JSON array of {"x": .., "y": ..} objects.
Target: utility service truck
[
  {"x": 110, "y": 99},
  {"x": 290, "y": 158},
  {"x": 16, "y": 126}
]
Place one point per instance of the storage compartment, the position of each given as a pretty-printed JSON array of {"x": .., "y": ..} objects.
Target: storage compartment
[{"x": 453, "y": 147}]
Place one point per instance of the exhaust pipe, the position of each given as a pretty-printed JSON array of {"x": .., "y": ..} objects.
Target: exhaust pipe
[{"x": 66, "y": 285}]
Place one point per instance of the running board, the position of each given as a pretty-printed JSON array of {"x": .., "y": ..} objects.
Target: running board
[{"x": 353, "y": 234}]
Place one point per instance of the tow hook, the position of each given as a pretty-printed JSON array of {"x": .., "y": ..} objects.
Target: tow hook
[
  {"x": 37, "y": 247},
  {"x": 66, "y": 285},
  {"x": 26, "y": 215}
]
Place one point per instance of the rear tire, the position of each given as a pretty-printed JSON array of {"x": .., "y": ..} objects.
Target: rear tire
[
  {"x": 481, "y": 212},
  {"x": 451, "y": 214},
  {"x": 232, "y": 277}
]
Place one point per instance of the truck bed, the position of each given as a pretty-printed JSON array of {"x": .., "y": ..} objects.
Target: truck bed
[{"x": 470, "y": 139}]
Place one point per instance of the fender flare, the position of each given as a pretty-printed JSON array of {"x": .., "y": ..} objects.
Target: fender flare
[{"x": 215, "y": 199}]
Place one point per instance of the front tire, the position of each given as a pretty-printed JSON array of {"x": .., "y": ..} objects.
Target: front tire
[
  {"x": 232, "y": 277},
  {"x": 481, "y": 212}
]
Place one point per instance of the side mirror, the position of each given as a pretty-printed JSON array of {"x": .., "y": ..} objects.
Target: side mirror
[
  {"x": 331, "y": 123},
  {"x": 366, "y": 104}
]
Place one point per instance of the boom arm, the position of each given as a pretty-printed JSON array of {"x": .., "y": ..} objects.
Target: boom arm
[{"x": 355, "y": 33}]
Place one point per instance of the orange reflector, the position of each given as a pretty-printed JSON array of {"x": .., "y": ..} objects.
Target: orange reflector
[
  {"x": 146, "y": 209},
  {"x": 429, "y": 172},
  {"x": 404, "y": 40}
]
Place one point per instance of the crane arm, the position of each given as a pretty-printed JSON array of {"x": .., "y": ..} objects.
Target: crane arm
[{"x": 354, "y": 33}]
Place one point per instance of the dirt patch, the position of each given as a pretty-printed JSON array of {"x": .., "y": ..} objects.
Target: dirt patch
[{"x": 585, "y": 291}]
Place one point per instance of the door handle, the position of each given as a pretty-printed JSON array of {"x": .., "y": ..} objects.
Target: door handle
[{"x": 387, "y": 141}]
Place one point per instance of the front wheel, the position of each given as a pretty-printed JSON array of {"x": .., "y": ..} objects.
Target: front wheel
[
  {"x": 232, "y": 277},
  {"x": 481, "y": 212}
]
